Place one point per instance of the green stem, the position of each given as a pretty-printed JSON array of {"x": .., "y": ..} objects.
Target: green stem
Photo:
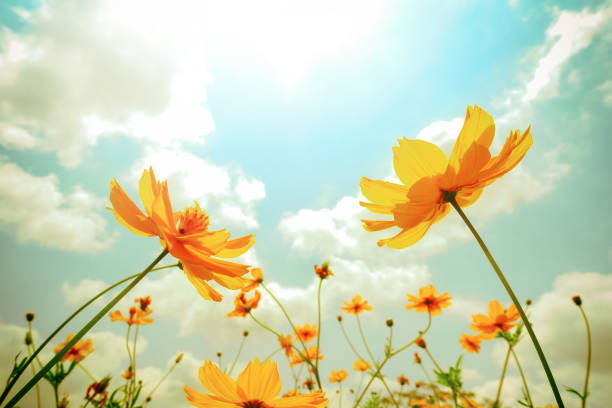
[
  {"x": 133, "y": 379},
  {"x": 89, "y": 374},
  {"x": 518, "y": 365},
  {"x": 516, "y": 302},
  {"x": 501, "y": 380},
  {"x": 389, "y": 391},
  {"x": 365, "y": 343},
  {"x": 349, "y": 341},
  {"x": 237, "y": 355},
  {"x": 340, "y": 400},
  {"x": 433, "y": 360},
  {"x": 269, "y": 356},
  {"x": 64, "y": 323},
  {"x": 55, "y": 392},
  {"x": 82, "y": 332},
  {"x": 128, "y": 389},
  {"x": 585, "y": 390},
  {"x": 30, "y": 348},
  {"x": 387, "y": 357},
  {"x": 302, "y": 356},
  {"x": 319, "y": 327},
  {"x": 159, "y": 383}
]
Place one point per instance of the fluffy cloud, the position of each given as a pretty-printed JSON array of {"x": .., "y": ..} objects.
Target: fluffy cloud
[
  {"x": 40, "y": 212},
  {"x": 226, "y": 193},
  {"x": 81, "y": 293},
  {"x": 65, "y": 81}
]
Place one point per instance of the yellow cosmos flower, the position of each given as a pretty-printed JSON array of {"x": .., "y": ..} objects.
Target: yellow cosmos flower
[
  {"x": 185, "y": 234},
  {"x": 361, "y": 365},
  {"x": 430, "y": 179},
  {"x": 78, "y": 352},
  {"x": 338, "y": 376},
  {"x": 256, "y": 387}
]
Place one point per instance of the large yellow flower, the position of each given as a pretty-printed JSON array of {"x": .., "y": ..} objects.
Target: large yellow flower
[
  {"x": 185, "y": 234},
  {"x": 430, "y": 179},
  {"x": 256, "y": 387}
]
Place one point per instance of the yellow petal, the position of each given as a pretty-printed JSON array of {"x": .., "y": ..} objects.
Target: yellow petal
[
  {"x": 383, "y": 192},
  {"x": 229, "y": 281},
  {"x": 511, "y": 154},
  {"x": 478, "y": 127},
  {"x": 495, "y": 308},
  {"x": 148, "y": 189},
  {"x": 415, "y": 159},
  {"x": 470, "y": 165},
  {"x": 377, "y": 208},
  {"x": 377, "y": 225},
  {"x": 468, "y": 196},
  {"x": 204, "y": 289},
  {"x": 406, "y": 237},
  {"x": 259, "y": 382},
  {"x": 127, "y": 213},
  {"x": 218, "y": 383},
  {"x": 161, "y": 211},
  {"x": 237, "y": 247}
]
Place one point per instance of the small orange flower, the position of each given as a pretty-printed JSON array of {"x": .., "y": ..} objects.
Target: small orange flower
[
  {"x": 137, "y": 316},
  {"x": 311, "y": 355},
  {"x": 498, "y": 319},
  {"x": 361, "y": 365},
  {"x": 286, "y": 344},
  {"x": 184, "y": 234},
  {"x": 356, "y": 306},
  {"x": 306, "y": 332},
  {"x": 253, "y": 283},
  {"x": 430, "y": 179},
  {"x": 470, "y": 343},
  {"x": 144, "y": 303},
  {"x": 403, "y": 380},
  {"x": 323, "y": 272},
  {"x": 427, "y": 301},
  {"x": 338, "y": 376},
  {"x": 417, "y": 358},
  {"x": 78, "y": 352},
  {"x": 128, "y": 374},
  {"x": 256, "y": 387},
  {"x": 242, "y": 305},
  {"x": 308, "y": 384}
]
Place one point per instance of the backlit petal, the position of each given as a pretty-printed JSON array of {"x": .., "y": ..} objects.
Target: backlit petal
[
  {"x": 203, "y": 288},
  {"x": 127, "y": 213},
  {"x": 148, "y": 189},
  {"x": 383, "y": 192},
  {"x": 414, "y": 159},
  {"x": 377, "y": 225},
  {"x": 406, "y": 237},
  {"x": 218, "y": 383},
  {"x": 259, "y": 382},
  {"x": 237, "y": 247},
  {"x": 478, "y": 127}
]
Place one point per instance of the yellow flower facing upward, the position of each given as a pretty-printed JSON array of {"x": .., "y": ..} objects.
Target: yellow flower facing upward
[
  {"x": 361, "y": 365},
  {"x": 428, "y": 301},
  {"x": 356, "y": 306},
  {"x": 430, "y": 179},
  {"x": 257, "y": 386},
  {"x": 184, "y": 234}
]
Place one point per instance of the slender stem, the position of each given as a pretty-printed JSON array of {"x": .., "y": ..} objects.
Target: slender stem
[
  {"x": 128, "y": 389},
  {"x": 30, "y": 348},
  {"x": 64, "y": 323},
  {"x": 349, "y": 341},
  {"x": 55, "y": 392},
  {"x": 340, "y": 400},
  {"x": 389, "y": 391},
  {"x": 516, "y": 302},
  {"x": 319, "y": 326},
  {"x": 365, "y": 343},
  {"x": 133, "y": 383},
  {"x": 89, "y": 374},
  {"x": 160, "y": 382},
  {"x": 237, "y": 355},
  {"x": 302, "y": 356},
  {"x": 269, "y": 356},
  {"x": 433, "y": 360},
  {"x": 518, "y": 365},
  {"x": 501, "y": 380},
  {"x": 585, "y": 390},
  {"x": 387, "y": 357},
  {"x": 285, "y": 313},
  {"x": 427, "y": 375},
  {"x": 82, "y": 332}
]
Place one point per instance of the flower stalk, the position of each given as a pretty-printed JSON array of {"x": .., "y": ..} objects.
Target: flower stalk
[
  {"x": 515, "y": 300},
  {"x": 24, "y": 390}
]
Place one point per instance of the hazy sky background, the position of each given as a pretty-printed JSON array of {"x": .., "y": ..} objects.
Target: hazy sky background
[{"x": 268, "y": 113}]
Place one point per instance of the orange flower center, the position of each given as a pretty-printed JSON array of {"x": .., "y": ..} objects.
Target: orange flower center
[
  {"x": 192, "y": 221},
  {"x": 253, "y": 404}
]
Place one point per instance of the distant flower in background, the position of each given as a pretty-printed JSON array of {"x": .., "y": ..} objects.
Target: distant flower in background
[
  {"x": 243, "y": 305},
  {"x": 137, "y": 316},
  {"x": 470, "y": 342},
  {"x": 78, "y": 352},
  {"x": 361, "y": 365},
  {"x": 428, "y": 301},
  {"x": 498, "y": 319},
  {"x": 338, "y": 376},
  {"x": 306, "y": 332},
  {"x": 356, "y": 306}
]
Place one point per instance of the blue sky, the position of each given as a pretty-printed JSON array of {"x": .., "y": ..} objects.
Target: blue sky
[{"x": 269, "y": 115}]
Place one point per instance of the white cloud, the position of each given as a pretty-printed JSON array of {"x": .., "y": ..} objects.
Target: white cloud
[
  {"x": 39, "y": 212},
  {"x": 226, "y": 193},
  {"x": 606, "y": 90},
  {"x": 571, "y": 33},
  {"x": 81, "y": 293}
]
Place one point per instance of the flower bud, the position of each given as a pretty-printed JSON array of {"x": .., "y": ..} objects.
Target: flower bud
[
  {"x": 420, "y": 342},
  {"x": 30, "y": 316},
  {"x": 28, "y": 339},
  {"x": 389, "y": 322},
  {"x": 528, "y": 302},
  {"x": 577, "y": 300},
  {"x": 219, "y": 354},
  {"x": 179, "y": 358},
  {"x": 339, "y": 317},
  {"x": 148, "y": 399},
  {"x": 245, "y": 333}
]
